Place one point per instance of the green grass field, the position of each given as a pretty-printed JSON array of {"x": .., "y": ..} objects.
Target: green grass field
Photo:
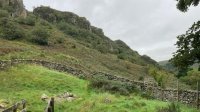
[{"x": 29, "y": 82}]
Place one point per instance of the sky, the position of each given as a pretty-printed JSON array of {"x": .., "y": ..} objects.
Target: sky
[{"x": 147, "y": 26}]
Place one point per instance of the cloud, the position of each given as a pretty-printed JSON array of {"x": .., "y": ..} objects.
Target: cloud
[{"x": 147, "y": 26}]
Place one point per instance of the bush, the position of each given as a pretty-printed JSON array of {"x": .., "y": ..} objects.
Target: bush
[
  {"x": 123, "y": 88},
  {"x": 192, "y": 78},
  {"x": 68, "y": 29},
  {"x": 30, "y": 20},
  {"x": 121, "y": 56},
  {"x": 9, "y": 8},
  {"x": 171, "y": 108},
  {"x": 3, "y": 13},
  {"x": 40, "y": 36},
  {"x": 10, "y": 30},
  {"x": 60, "y": 40},
  {"x": 141, "y": 78},
  {"x": 147, "y": 95},
  {"x": 45, "y": 24},
  {"x": 158, "y": 75}
]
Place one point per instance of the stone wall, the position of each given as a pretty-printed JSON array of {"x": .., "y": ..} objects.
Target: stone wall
[{"x": 185, "y": 96}]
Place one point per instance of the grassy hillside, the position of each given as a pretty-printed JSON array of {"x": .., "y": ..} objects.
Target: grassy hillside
[
  {"x": 30, "y": 82},
  {"x": 79, "y": 28},
  {"x": 66, "y": 38},
  {"x": 37, "y": 37}
]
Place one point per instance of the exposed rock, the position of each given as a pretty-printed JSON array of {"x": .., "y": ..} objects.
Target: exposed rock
[
  {"x": 17, "y": 7},
  {"x": 107, "y": 100},
  {"x": 2, "y": 106},
  {"x": 24, "y": 110},
  {"x": 66, "y": 97},
  {"x": 70, "y": 99},
  {"x": 53, "y": 15},
  {"x": 44, "y": 97}
]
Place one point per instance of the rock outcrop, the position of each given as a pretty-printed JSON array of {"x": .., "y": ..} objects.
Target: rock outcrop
[
  {"x": 14, "y": 7},
  {"x": 55, "y": 16}
]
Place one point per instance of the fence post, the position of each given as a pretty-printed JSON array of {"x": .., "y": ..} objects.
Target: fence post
[
  {"x": 15, "y": 108},
  {"x": 197, "y": 94},
  {"x": 52, "y": 104},
  {"x": 143, "y": 89},
  {"x": 162, "y": 92},
  {"x": 177, "y": 91},
  {"x": 49, "y": 109},
  {"x": 23, "y": 104}
]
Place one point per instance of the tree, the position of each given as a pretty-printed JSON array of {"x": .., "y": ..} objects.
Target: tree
[
  {"x": 188, "y": 52},
  {"x": 183, "y": 5}
]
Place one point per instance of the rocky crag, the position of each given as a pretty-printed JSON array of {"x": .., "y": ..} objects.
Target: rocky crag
[{"x": 14, "y": 7}]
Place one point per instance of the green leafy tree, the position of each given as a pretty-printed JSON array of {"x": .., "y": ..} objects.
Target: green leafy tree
[
  {"x": 183, "y": 5},
  {"x": 188, "y": 52}
]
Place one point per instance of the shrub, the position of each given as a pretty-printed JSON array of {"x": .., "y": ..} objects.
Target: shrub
[
  {"x": 141, "y": 78},
  {"x": 68, "y": 29},
  {"x": 171, "y": 108},
  {"x": 122, "y": 56},
  {"x": 40, "y": 36},
  {"x": 102, "y": 48},
  {"x": 4, "y": 13},
  {"x": 123, "y": 88},
  {"x": 9, "y": 8},
  {"x": 10, "y": 30},
  {"x": 147, "y": 95},
  {"x": 30, "y": 20},
  {"x": 158, "y": 75},
  {"x": 192, "y": 78},
  {"x": 60, "y": 40},
  {"x": 45, "y": 23}
]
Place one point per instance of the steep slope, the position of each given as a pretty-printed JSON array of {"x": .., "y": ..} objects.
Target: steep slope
[
  {"x": 64, "y": 37},
  {"x": 80, "y": 29}
]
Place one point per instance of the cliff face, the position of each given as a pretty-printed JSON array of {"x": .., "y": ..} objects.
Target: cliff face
[
  {"x": 14, "y": 7},
  {"x": 55, "y": 16}
]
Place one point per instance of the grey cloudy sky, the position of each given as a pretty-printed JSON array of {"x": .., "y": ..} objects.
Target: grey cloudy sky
[{"x": 147, "y": 26}]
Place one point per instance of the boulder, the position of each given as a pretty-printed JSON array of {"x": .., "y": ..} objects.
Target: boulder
[
  {"x": 44, "y": 97},
  {"x": 107, "y": 100}
]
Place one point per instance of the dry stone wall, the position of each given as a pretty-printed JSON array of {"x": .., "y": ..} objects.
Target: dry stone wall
[{"x": 185, "y": 96}]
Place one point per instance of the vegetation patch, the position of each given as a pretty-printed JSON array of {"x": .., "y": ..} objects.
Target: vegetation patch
[
  {"x": 102, "y": 83},
  {"x": 173, "y": 107},
  {"x": 40, "y": 36},
  {"x": 10, "y": 30}
]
